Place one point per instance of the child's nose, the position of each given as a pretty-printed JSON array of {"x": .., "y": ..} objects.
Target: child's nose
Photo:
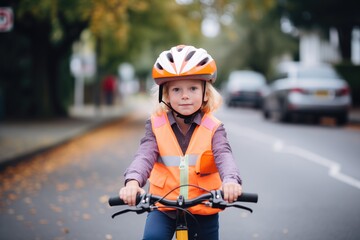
[{"x": 185, "y": 94}]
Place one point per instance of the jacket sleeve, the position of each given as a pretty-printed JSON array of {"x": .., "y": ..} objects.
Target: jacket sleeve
[
  {"x": 145, "y": 157},
  {"x": 224, "y": 158}
]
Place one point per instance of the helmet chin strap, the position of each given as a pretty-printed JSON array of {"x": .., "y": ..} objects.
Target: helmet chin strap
[{"x": 187, "y": 118}]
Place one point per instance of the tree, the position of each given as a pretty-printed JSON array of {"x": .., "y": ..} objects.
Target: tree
[
  {"x": 35, "y": 76},
  {"x": 341, "y": 14},
  {"x": 253, "y": 39},
  {"x": 37, "y": 50}
]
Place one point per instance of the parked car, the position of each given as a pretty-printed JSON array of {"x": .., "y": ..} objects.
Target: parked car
[
  {"x": 244, "y": 87},
  {"x": 311, "y": 90}
]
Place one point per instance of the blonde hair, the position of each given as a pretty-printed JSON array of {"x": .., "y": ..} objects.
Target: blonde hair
[{"x": 213, "y": 102}]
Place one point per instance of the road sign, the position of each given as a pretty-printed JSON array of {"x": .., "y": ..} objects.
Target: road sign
[{"x": 6, "y": 19}]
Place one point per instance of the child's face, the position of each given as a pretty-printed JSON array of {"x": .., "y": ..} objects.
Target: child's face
[{"x": 185, "y": 96}]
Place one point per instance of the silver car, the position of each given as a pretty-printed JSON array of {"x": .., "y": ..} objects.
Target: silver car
[
  {"x": 244, "y": 87},
  {"x": 307, "y": 90}
]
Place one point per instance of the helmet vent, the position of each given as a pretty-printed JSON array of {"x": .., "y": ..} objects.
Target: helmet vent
[
  {"x": 159, "y": 66},
  {"x": 203, "y": 62},
  {"x": 190, "y": 54},
  {"x": 170, "y": 57}
]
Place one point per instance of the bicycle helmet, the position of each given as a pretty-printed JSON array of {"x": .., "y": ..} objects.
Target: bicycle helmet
[{"x": 184, "y": 62}]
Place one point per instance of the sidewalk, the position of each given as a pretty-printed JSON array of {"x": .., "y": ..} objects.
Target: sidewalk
[{"x": 21, "y": 139}]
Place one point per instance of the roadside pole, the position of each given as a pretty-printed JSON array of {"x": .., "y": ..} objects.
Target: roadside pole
[
  {"x": 82, "y": 66},
  {"x": 76, "y": 67}
]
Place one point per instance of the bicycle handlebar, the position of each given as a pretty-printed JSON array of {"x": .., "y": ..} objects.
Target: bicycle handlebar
[{"x": 215, "y": 198}]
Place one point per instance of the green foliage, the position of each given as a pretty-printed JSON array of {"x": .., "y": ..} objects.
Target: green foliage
[
  {"x": 157, "y": 24},
  {"x": 308, "y": 13},
  {"x": 254, "y": 40},
  {"x": 351, "y": 74}
]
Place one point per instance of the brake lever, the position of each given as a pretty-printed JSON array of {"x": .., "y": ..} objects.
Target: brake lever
[
  {"x": 125, "y": 211},
  {"x": 239, "y": 206}
]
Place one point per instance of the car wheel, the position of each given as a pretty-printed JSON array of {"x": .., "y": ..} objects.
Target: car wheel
[
  {"x": 266, "y": 113},
  {"x": 284, "y": 116},
  {"x": 342, "y": 119}
]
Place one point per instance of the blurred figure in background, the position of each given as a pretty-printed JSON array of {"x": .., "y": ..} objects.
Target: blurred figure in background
[{"x": 109, "y": 88}]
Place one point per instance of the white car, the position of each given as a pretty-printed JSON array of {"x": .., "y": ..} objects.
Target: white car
[
  {"x": 244, "y": 87},
  {"x": 311, "y": 90}
]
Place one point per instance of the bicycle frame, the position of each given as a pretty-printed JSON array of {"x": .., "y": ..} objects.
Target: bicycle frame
[{"x": 181, "y": 231}]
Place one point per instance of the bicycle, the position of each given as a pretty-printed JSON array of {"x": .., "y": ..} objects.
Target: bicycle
[{"x": 147, "y": 202}]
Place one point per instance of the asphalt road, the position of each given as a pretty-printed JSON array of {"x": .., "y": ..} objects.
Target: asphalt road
[{"x": 307, "y": 177}]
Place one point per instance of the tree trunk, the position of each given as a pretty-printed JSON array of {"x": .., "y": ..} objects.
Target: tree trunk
[
  {"x": 345, "y": 42},
  {"x": 46, "y": 58},
  {"x": 40, "y": 72}
]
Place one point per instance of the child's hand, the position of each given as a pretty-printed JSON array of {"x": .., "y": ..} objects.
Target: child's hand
[
  {"x": 231, "y": 191},
  {"x": 129, "y": 192}
]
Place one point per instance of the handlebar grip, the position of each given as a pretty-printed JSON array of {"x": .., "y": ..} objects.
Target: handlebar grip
[
  {"x": 248, "y": 197},
  {"x": 116, "y": 201}
]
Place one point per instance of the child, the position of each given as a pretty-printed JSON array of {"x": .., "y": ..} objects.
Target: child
[{"x": 183, "y": 144}]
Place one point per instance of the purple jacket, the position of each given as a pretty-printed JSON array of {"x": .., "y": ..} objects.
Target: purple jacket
[{"x": 148, "y": 152}]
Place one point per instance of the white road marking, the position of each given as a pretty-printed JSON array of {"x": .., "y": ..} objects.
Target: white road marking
[{"x": 278, "y": 145}]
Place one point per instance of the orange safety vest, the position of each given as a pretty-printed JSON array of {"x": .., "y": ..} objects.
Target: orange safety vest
[{"x": 197, "y": 166}]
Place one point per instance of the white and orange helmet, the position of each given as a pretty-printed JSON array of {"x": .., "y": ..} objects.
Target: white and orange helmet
[{"x": 184, "y": 62}]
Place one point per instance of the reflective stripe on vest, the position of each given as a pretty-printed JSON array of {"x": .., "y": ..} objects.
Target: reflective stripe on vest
[{"x": 173, "y": 161}]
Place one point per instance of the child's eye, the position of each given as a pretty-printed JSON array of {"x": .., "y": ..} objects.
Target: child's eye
[
  {"x": 176, "y": 89},
  {"x": 193, "y": 88}
]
